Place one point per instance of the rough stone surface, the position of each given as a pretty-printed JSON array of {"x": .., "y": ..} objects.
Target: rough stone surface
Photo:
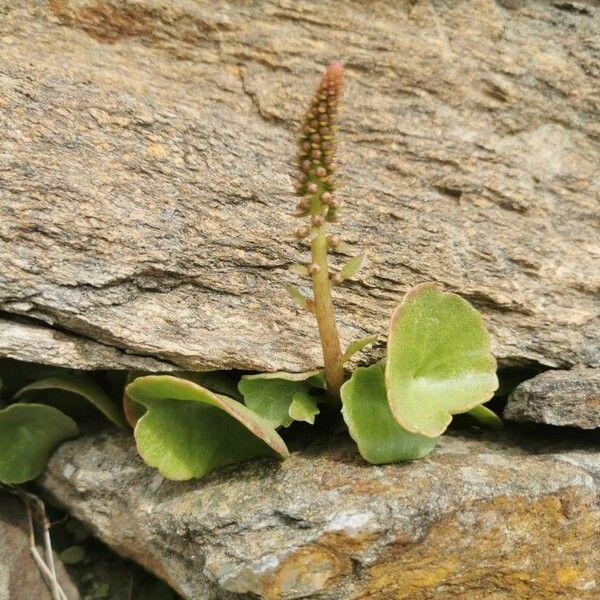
[
  {"x": 20, "y": 578},
  {"x": 23, "y": 341},
  {"x": 145, "y": 153},
  {"x": 486, "y": 518},
  {"x": 570, "y": 398}
]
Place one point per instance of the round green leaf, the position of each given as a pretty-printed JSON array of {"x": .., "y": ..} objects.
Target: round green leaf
[
  {"x": 438, "y": 360},
  {"x": 29, "y": 433},
  {"x": 77, "y": 384},
  {"x": 270, "y": 395},
  {"x": 304, "y": 407},
  {"x": 371, "y": 424},
  {"x": 188, "y": 431},
  {"x": 486, "y": 418}
]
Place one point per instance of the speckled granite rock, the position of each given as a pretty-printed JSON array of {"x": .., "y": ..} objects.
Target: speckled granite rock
[
  {"x": 20, "y": 578},
  {"x": 569, "y": 398},
  {"x": 478, "y": 519}
]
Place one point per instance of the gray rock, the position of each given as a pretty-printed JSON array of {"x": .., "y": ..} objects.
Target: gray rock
[
  {"x": 570, "y": 398},
  {"x": 22, "y": 341},
  {"x": 478, "y": 519},
  {"x": 145, "y": 152},
  {"x": 20, "y": 577}
]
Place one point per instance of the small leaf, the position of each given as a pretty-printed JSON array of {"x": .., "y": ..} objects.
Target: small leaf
[
  {"x": 344, "y": 248},
  {"x": 189, "y": 431},
  {"x": 72, "y": 555},
  {"x": 357, "y": 346},
  {"x": 29, "y": 433},
  {"x": 486, "y": 418},
  {"x": 371, "y": 424},
  {"x": 79, "y": 385},
  {"x": 438, "y": 360},
  {"x": 353, "y": 266},
  {"x": 304, "y": 407},
  {"x": 271, "y": 394},
  {"x": 298, "y": 297},
  {"x": 298, "y": 269}
]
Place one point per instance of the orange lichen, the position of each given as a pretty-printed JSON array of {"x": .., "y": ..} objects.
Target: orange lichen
[{"x": 509, "y": 548}]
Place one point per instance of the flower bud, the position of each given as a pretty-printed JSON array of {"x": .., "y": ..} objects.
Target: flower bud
[
  {"x": 301, "y": 232},
  {"x": 315, "y": 151},
  {"x": 333, "y": 240}
]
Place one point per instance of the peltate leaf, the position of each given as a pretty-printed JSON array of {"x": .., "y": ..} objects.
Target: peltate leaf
[
  {"x": 485, "y": 417},
  {"x": 270, "y": 395},
  {"x": 304, "y": 408},
  {"x": 371, "y": 424},
  {"x": 70, "y": 384},
  {"x": 219, "y": 382},
  {"x": 438, "y": 360},
  {"x": 29, "y": 433},
  {"x": 188, "y": 431}
]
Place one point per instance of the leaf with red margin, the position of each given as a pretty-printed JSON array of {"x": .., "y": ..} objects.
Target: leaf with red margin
[
  {"x": 438, "y": 360},
  {"x": 188, "y": 431}
]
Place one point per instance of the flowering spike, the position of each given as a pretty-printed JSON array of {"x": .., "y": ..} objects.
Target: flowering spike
[
  {"x": 316, "y": 143},
  {"x": 315, "y": 185}
]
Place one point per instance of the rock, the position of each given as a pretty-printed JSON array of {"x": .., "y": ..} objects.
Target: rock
[
  {"x": 20, "y": 577},
  {"x": 480, "y": 518},
  {"x": 145, "y": 152},
  {"x": 570, "y": 398},
  {"x": 21, "y": 341}
]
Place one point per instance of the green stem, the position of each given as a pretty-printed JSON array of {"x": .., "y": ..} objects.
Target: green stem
[{"x": 330, "y": 340}]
